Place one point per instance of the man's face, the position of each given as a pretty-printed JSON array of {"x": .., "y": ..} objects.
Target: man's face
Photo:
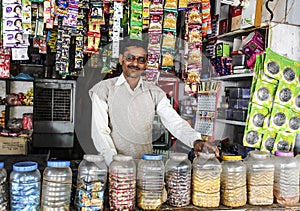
[{"x": 133, "y": 61}]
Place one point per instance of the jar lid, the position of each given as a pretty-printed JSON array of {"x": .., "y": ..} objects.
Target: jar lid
[
  {"x": 151, "y": 157},
  {"x": 25, "y": 166},
  {"x": 58, "y": 163},
  {"x": 178, "y": 156},
  {"x": 93, "y": 158},
  {"x": 122, "y": 158},
  {"x": 259, "y": 154},
  {"x": 206, "y": 155},
  {"x": 1, "y": 165},
  {"x": 232, "y": 157},
  {"x": 284, "y": 154}
]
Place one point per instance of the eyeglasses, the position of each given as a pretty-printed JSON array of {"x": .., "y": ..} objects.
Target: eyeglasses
[{"x": 132, "y": 58}]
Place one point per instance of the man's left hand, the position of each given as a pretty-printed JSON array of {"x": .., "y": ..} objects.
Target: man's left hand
[{"x": 205, "y": 146}]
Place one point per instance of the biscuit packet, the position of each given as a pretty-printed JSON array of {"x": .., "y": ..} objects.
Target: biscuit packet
[
  {"x": 252, "y": 138},
  {"x": 268, "y": 141},
  {"x": 169, "y": 39},
  {"x": 279, "y": 117},
  {"x": 257, "y": 117},
  {"x": 272, "y": 65},
  {"x": 284, "y": 141},
  {"x": 264, "y": 93},
  {"x": 170, "y": 19},
  {"x": 284, "y": 94}
]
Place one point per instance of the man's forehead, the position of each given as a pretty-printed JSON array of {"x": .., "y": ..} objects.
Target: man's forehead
[{"x": 135, "y": 50}]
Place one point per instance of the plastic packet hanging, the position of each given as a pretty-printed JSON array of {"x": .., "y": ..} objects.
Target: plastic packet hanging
[{"x": 170, "y": 19}]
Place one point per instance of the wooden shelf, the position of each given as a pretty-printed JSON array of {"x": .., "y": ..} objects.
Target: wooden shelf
[{"x": 231, "y": 122}]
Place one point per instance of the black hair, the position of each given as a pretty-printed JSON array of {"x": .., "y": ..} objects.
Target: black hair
[
  {"x": 18, "y": 6},
  {"x": 19, "y": 19},
  {"x": 127, "y": 42}
]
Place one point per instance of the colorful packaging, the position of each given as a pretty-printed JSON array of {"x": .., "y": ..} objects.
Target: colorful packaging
[
  {"x": 272, "y": 64},
  {"x": 284, "y": 94},
  {"x": 289, "y": 68},
  {"x": 279, "y": 117},
  {"x": 284, "y": 141},
  {"x": 294, "y": 122},
  {"x": 295, "y": 102},
  {"x": 268, "y": 141},
  {"x": 252, "y": 138},
  {"x": 264, "y": 93},
  {"x": 257, "y": 117}
]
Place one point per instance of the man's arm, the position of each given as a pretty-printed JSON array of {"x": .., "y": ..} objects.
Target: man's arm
[{"x": 100, "y": 130}]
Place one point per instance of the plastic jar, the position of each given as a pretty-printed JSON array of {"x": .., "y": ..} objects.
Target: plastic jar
[
  {"x": 150, "y": 181},
  {"x": 3, "y": 188},
  {"x": 233, "y": 181},
  {"x": 260, "y": 178},
  {"x": 56, "y": 186},
  {"x": 298, "y": 161},
  {"x": 122, "y": 183},
  {"x": 286, "y": 178},
  {"x": 178, "y": 179},
  {"x": 91, "y": 183},
  {"x": 25, "y": 186},
  {"x": 206, "y": 180}
]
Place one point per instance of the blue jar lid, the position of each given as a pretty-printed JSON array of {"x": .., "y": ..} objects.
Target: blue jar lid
[
  {"x": 25, "y": 166},
  {"x": 1, "y": 165},
  {"x": 58, "y": 163},
  {"x": 151, "y": 157}
]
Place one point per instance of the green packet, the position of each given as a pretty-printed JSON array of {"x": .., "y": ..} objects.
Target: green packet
[
  {"x": 284, "y": 94},
  {"x": 268, "y": 141},
  {"x": 294, "y": 122},
  {"x": 295, "y": 103},
  {"x": 279, "y": 117},
  {"x": 264, "y": 93},
  {"x": 252, "y": 138},
  {"x": 272, "y": 64},
  {"x": 290, "y": 71},
  {"x": 284, "y": 141},
  {"x": 257, "y": 117}
]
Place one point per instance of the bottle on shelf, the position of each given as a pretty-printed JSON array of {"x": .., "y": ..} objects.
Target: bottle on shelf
[
  {"x": 91, "y": 183},
  {"x": 4, "y": 198},
  {"x": 56, "y": 186},
  {"x": 25, "y": 186}
]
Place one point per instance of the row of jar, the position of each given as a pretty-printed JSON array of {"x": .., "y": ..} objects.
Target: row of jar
[{"x": 206, "y": 183}]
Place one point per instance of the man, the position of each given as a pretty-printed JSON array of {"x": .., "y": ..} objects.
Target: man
[{"x": 123, "y": 109}]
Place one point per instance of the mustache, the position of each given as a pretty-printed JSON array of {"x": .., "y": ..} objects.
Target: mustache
[{"x": 133, "y": 67}]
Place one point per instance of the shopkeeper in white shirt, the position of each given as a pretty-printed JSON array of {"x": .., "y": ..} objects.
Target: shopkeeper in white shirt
[{"x": 123, "y": 110}]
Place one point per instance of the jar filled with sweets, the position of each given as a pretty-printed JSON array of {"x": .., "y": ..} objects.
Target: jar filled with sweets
[
  {"x": 150, "y": 181},
  {"x": 4, "y": 198},
  {"x": 122, "y": 183},
  {"x": 56, "y": 186},
  {"x": 25, "y": 186},
  {"x": 178, "y": 180},
  {"x": 206, "y": 181},
  {"x": 260, "y": 178},
  {"x": 286, "y": 178},
  {"x": 233, "y": 181},
  {"x": 91, "y": 183}
]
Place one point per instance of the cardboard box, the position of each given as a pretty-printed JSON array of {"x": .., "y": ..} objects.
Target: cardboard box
[{"x": 13, "y": 145}]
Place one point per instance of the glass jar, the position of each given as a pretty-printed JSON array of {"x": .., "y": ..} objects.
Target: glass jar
[
  {"x": 91, "y": 183},
  {"x": 56, "y": 186},
  {"x": 178, "y": 179},
  {"x": 206, "y": 180},
  {"x": 150, "y": 181},
  {"x": 233, "y": 181},
  {"x": 122, "y": 183},
  {"x": 286, "y": 178},
  {"x": 260, "y": 178},
  {"x": 25, "y": 186},
  {"x": 3, "y": 188}
]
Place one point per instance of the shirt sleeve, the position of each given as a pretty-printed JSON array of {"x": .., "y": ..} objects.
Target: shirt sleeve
[
  {"x": 177, "y": 126},
  {"x": 100, "y": 130}
]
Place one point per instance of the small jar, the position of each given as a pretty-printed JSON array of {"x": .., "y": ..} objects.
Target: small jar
[
  {"x": 3, "y": 188},
  {"x": 233, "y": 181},
  {"x": 25, "y": 186},
  {"x": 260, "y": 178},
  {"x": 286, "y": 178},
  {"x": 122, "y": 183},
  {"x": 91, "y": 183},
  {"x": 56, "y": 186},
  {"x": 178, "y": 180},
  {"x": 206, "y": 181},
  {"x": 150, "y": 181}
]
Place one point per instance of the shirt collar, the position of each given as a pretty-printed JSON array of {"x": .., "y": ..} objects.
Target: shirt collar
[{"x": 121, "y": 80}]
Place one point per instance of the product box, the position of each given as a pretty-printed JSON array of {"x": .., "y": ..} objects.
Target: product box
[
  {"x": 235, "y": 92},
  {"x": 252, "y": 138},
  {"x": 264, "y": 93},
  {"x": 13, "y": 145},
  {"x": 223, "y": 49},
  {"x": 268, "y": 141},
  {"x": 284, "y": 141},
  {"x": 236, "y": 17},
  {"x": 239, "y": 103}
]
